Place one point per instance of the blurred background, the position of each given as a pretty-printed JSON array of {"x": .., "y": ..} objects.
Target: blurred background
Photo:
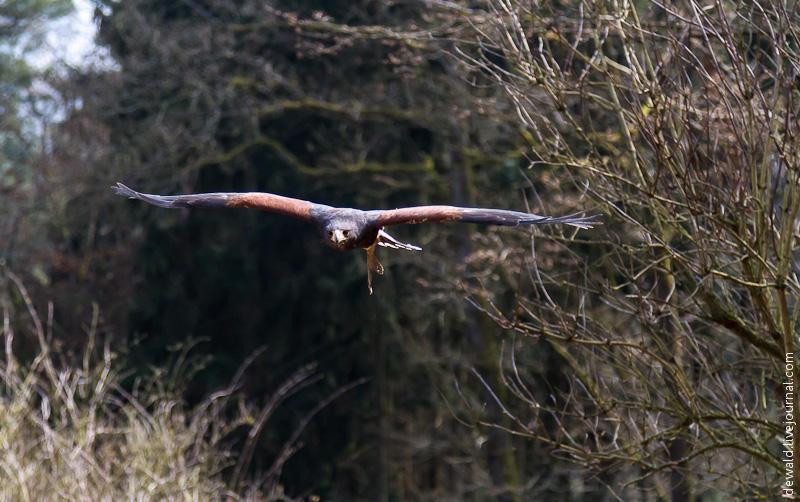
[{"x": 229, "y": 354}]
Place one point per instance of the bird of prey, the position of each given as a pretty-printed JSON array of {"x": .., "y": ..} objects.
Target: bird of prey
[{"x": 345, "y": 229}]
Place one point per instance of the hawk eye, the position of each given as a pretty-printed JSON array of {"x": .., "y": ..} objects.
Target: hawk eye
[{"x": 346, "y": 233}]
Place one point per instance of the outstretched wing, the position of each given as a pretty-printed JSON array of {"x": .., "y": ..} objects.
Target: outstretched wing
[
  {"x": 436, "y": 214},
  {"x": 298, "y": 208}
]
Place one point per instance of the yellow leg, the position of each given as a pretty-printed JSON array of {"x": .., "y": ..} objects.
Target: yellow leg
[{"x": 373, "y": 265}]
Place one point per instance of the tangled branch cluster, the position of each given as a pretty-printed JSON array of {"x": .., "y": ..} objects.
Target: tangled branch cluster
[{"x": 684, "y": 120}]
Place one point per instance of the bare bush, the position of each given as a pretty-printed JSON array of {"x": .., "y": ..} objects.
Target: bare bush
[{"x": 683, "y": 119}]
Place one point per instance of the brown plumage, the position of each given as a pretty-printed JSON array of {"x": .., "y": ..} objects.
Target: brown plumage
[
  {"x": 273, "y": 203},
  {"x": 345, "y": 228}
]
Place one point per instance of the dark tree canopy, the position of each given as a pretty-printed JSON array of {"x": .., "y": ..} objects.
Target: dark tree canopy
[{"x": 351, "y": 104}]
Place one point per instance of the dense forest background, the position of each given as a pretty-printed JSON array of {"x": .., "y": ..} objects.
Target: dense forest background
[{"x": 228, "y": 354}]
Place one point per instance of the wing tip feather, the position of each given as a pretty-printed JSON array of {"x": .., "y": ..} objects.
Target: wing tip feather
[
  {"x": 124, "y": 191},
  {"x": 155, "y": 200},
  {"x": 577, "y": 220}
]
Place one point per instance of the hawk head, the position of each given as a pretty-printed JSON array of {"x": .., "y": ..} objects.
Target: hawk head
[{"x": 341, "y": 234}]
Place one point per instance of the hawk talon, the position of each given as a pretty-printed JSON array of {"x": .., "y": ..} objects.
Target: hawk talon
[{"x": 373, "y": 265}]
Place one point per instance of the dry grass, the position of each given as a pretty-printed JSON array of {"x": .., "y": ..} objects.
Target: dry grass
[{"x": 71, "y": 431}]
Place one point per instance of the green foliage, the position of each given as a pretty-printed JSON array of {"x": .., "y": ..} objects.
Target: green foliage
[
  {"x": 21, "y": 126},
  {"x": 21, "y": 25}
]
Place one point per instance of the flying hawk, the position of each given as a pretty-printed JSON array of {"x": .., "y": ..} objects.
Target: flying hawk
[{"x": 344, "y": 229}]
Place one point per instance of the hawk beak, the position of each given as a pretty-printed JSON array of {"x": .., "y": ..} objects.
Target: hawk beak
[{"x": 338, "y": 236}]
